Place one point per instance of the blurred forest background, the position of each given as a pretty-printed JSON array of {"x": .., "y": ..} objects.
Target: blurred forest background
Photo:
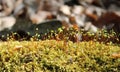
[{"x": 45, "y": 15}]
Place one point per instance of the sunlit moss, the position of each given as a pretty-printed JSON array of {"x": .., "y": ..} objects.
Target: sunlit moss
[{"x": 52, "y": 55}]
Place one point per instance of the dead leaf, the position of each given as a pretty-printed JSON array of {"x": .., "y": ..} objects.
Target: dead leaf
[
  {"x": 18, "y": 47},
  {"x": 116, "y": 55}
]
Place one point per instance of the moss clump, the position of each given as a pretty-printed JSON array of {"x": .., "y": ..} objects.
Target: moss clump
[{"x": 58, "y": 56}]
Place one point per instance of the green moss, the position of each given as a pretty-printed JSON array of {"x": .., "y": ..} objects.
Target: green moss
[{"x": 57, "y": 56}]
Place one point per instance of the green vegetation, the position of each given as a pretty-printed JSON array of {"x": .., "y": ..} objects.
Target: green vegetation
[
  {"x": 58, "y": 56},
  {"x": 61, "y": 51}
]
